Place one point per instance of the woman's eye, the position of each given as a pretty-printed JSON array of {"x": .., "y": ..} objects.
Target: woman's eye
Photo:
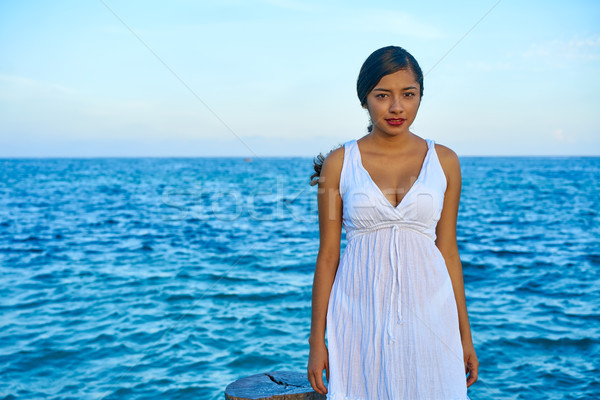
[
  {"x": 409, "y": 94},
  {"x": 381, "y": 95}
]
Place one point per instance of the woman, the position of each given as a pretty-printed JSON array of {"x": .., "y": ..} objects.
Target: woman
[{"x": 394, "y": 304}]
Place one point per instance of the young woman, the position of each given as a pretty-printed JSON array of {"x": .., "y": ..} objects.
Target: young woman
[{"x": 394, "y": 303}]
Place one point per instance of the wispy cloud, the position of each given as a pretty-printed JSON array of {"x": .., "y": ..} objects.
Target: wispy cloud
[
  {"x": 293, "y": 5},
  {"x": 14, "y": 85},
  {"x": 487, "y": 66},
  {"x": 577, "y": 48},
  {"x": 560, "y": 136},
  {"x": 391, "y": 22},
  {"x": 53, "y": 109},
  {"x": 321, "y": 20}
]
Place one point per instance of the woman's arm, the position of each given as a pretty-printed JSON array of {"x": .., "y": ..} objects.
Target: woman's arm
[
  {"x": 446, "y": 243},
  {"x": 330, "y": 231}
]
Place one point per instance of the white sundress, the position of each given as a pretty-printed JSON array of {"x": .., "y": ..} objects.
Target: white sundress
[{"x": 392, "y": 321}]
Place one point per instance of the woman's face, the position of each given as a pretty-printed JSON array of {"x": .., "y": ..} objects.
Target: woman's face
[{"x": 393, "y": 103}]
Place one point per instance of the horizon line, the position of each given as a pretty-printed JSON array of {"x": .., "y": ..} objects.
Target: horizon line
[{"x": 250, "y": 158}]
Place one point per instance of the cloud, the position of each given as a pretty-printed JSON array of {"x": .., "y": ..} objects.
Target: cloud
[
  {"x": 560, "y": 136},
  {"x": 574, "y": 49},
  {"x": 48, "y": 109},
  {"x": 293, "y": 5},
  {"x": 17, "y": 86},
  {"x": 487, "y": 66},
  {"x": 391, "y": 22}
]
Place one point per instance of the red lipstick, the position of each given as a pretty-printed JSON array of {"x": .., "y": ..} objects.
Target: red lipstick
[{"x": 395, "y": 121}]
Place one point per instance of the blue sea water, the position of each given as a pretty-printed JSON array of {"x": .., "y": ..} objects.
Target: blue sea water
[{"x": 170, "y": 278}]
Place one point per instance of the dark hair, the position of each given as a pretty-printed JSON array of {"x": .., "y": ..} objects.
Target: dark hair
[
  {"x": 380, "y": 63},
  {"x": 318, "y": 165}
]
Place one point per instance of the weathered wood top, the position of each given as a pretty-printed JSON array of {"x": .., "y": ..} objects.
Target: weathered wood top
[{"x": 278, "y": 385}]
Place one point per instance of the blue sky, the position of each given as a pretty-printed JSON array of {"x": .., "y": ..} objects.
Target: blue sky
[{"x": 277, "y": 77}]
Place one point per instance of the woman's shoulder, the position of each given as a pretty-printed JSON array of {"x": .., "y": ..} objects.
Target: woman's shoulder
[
  {"x": 445, "y": 152},
  {"x": 448, "y": 159},
  {"x": 329, "y": 166},
  {"x": 334, "y": 160}
]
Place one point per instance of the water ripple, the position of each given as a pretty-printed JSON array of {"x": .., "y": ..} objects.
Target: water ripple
[{"x": 170, "y": 278}]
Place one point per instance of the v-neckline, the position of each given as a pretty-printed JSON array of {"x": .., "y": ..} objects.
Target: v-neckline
[{"x": 397, "y": 206}]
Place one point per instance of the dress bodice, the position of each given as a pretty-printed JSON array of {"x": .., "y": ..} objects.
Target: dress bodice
[{"x": 365, "y": 207}]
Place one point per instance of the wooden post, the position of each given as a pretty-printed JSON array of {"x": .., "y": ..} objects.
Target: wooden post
[{"x": 279, "y": 385}]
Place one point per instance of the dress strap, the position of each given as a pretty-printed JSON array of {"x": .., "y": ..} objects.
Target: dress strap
[{"x": 348, "y": 165}]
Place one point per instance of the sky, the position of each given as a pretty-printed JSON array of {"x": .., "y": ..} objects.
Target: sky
[{"x": 259, "y": 78}]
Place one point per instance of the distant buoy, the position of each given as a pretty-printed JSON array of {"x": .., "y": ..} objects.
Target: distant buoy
[{"x": 248, "y": 159}]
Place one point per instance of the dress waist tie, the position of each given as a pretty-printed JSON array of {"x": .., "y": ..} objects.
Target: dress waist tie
[{"x": 396, "y": 281}]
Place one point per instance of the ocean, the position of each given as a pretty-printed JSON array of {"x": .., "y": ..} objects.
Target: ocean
[{"x": 169, "y": 278}]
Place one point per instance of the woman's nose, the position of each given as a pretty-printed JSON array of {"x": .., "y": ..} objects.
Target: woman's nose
[{"x": 396, "y": 106}]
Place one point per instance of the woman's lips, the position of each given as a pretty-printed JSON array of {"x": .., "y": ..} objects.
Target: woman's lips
[{"x": 395, "y": 121}]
